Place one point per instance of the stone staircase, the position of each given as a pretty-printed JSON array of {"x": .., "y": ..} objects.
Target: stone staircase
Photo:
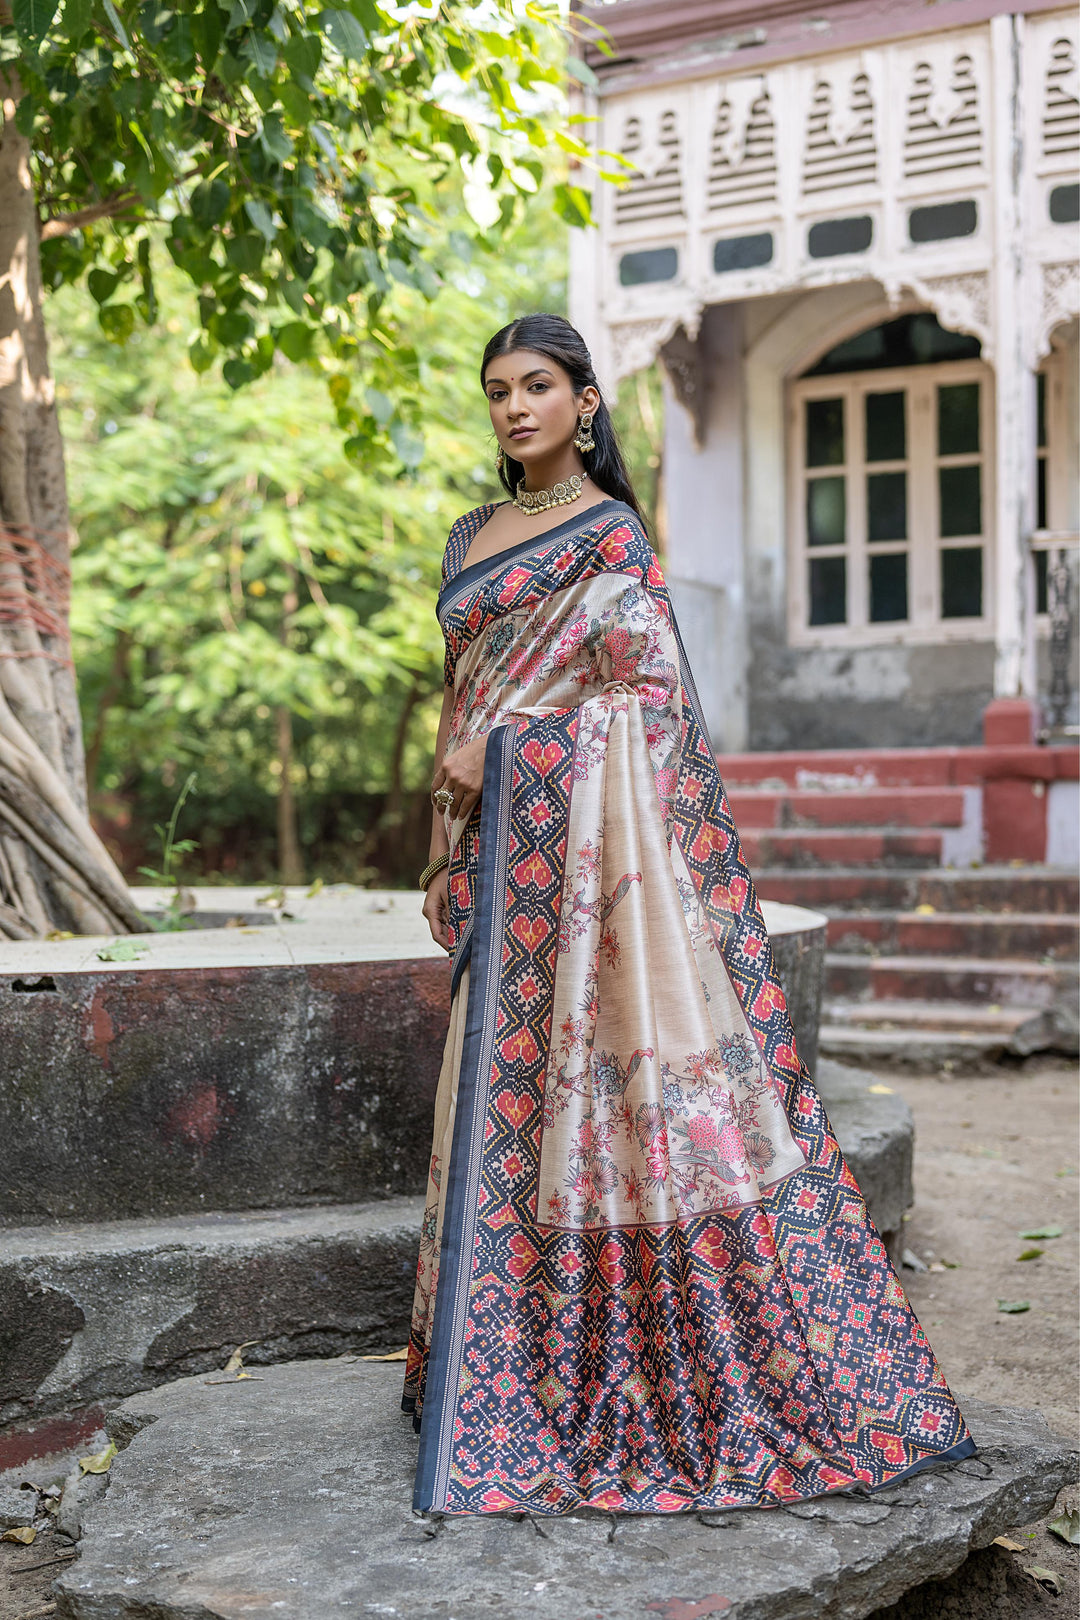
[{"x": 933, "y": 959}]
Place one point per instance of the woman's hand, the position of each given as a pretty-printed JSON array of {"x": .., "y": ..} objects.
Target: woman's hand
[
  {"x": 462, "y": 774},
  {"x": 436, "y": 909}
]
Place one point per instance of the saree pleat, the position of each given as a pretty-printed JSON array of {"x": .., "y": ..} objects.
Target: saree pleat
[{"x": 647, "y": 1279}]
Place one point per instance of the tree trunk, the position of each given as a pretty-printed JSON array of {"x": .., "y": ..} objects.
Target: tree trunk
[
  {"x": 290, "y": 858},
  {"x": 55, "y": 872}
]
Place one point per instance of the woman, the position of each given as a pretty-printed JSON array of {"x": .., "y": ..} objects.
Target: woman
[{"x": 647, "y": 1279}]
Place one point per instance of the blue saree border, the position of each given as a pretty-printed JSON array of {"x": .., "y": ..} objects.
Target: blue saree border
[{"x": 443, "y": 1374}]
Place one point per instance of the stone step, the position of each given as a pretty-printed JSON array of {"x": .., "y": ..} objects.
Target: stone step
[
  {"x": 933, "y": 978},
  {"x": 957, "y": 933},
  {"x": 930, "y": 1034},
  {"x": 96, "y": 1310},
  {"x": 291, "y": 1498},
  {"x": 989, "y": 888},
  {"x": 870, "y": 807},
  {"x": 888, "y": 847}
]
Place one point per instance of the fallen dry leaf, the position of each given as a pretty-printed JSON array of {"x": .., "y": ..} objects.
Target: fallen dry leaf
[
  {"x": 1008, "y": 1543},
  {"x": 881, "y": 1091},
  {"x": 22, "y": 1533},
  {"x": 100, "y": 1462},
  {"x": 236, "y": 1360},
  {"x": 1013, "y": 1307},
  {"x": 394, "y": 1355},
  {"x": 1067, "y": 1526},
  {"x": 1045, "y": 1577}
]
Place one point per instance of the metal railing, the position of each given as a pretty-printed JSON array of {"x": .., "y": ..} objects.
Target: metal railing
[{"x": 1060, "y": 547}]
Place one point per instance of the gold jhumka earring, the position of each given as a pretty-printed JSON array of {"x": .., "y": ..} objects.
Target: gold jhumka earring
[
  {"x": 583, "y": 438},
  {"x": 500, "y": 461}
]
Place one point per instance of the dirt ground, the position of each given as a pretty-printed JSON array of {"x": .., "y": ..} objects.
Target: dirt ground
[{"x": 995, "y": 1155}]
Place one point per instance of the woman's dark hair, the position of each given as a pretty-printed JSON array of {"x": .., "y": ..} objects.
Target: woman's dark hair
[{"x": 553, "y": 336}]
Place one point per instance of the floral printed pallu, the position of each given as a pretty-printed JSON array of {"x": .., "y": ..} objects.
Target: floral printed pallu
[{"x": 647, "y": 1279}]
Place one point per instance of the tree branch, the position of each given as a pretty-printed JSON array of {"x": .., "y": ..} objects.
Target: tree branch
[{"x": 108, "y": 208}]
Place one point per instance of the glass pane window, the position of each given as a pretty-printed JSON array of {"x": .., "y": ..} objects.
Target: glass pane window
[
  {"x": 824, "y": 433},
  {"x": 961, "y": 582},
  {"x": 886, "y": 427},
  {"x": 958, "y": 420},
  {"x": 828, "y": 590},
  {"x": 826, "y": 511},
  {"x": 888, "y": 587},
  {"x": 960, "y": 500},
  {"x": 886, "y": 506}
]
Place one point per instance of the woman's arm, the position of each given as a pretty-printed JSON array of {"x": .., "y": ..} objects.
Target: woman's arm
[{"x": 436, "y": 905}]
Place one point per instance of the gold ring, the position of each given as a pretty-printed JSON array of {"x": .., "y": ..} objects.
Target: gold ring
[{"x": 443, "y": 797}]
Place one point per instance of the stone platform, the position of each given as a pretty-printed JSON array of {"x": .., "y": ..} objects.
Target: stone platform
[
  {"x": 259, "y": 1066},
  {"x": 286, "y": 1497},
  {"x": 92, "y": 1311}
]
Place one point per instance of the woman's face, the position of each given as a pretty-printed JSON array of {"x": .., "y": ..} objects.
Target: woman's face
[{"x": 533, "y": 407}]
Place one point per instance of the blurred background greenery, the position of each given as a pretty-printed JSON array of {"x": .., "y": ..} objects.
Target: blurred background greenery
[{"x": 251, "y": 605}]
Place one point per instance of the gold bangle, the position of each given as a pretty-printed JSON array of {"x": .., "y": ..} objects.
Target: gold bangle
[{"x": 431, "y": 868}]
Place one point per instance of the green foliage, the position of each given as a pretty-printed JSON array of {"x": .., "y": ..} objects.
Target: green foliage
[
  {"x": 294, "y": 164},
  {"x": 204, "y": 513}
]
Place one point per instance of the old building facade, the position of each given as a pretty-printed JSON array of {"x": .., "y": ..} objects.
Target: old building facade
[{"x": 852, "y": 243}]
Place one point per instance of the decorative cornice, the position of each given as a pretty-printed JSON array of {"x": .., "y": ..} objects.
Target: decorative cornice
[{"x": 659, "y": 41}]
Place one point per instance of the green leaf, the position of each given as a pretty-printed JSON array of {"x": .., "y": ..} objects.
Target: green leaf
[
  {"x": 573, "y": 205},
  {"x": 209, "y": 202},
  {"x": 1013, "y": 1307},
  {"x": 102, "y": 284},
  {"x": 117, "y": 321},
  {"x": 275, "y": 142},
  {"x": 77, "y": 17},
  {"x": 206, "y": 31},
  {"x": 117, "y": 23},
  {"x": 344, "y": 33},
  {"x": 122, "y": 950},
  {"x": 295, "y": 340},
  {"x": 245, "y": 252},
  {"x": 582, "y": 72},
  {"x": 381, "y": 408},
  {"x": 1031, "y": 1254},
  {"x": 237, "y": 372},
  {"x": 257, "y": 49},
  {"x": 33, "y": 19},
  {"x": 201, "y": 354},
  {"x": 303, "y": 55},
  {"x": 1042, "y": 1232},
  {"x": 261, "y": 217},
  {"x": 24, "y": 116},
  {"x": 408, "y": 444}
]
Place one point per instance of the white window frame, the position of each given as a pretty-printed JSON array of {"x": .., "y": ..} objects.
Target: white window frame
[{"x": 924, "y": 623}]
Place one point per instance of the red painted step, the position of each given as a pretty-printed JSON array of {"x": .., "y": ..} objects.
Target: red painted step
[
  {"x": 872, "y": 807},
  {"x": 765, "y": 847},
  {"x": 962, "y": 933},
  {"x": 862, "y": 768},
  {"x": 1015, "y": 982},
  {"x": 987, "y": 888}
]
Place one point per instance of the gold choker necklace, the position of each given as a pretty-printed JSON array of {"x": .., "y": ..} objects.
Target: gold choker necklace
[{"x": 531, "y": 501}]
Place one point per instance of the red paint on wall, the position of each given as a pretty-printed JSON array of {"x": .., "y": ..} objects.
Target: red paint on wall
[
  {"x": 24, "y": 1443},
  {"x": 196, "y": 1119},
  {"x": 100, "y": 1030}
]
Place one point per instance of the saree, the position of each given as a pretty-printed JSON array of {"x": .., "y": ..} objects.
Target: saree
[{"x": 647, "y": 1279}]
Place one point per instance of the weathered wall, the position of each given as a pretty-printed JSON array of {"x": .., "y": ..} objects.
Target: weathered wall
[{"x": 165, "y": 1092}]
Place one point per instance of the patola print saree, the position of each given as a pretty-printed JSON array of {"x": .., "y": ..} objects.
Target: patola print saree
[{"x": 647, "y": 1279}]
